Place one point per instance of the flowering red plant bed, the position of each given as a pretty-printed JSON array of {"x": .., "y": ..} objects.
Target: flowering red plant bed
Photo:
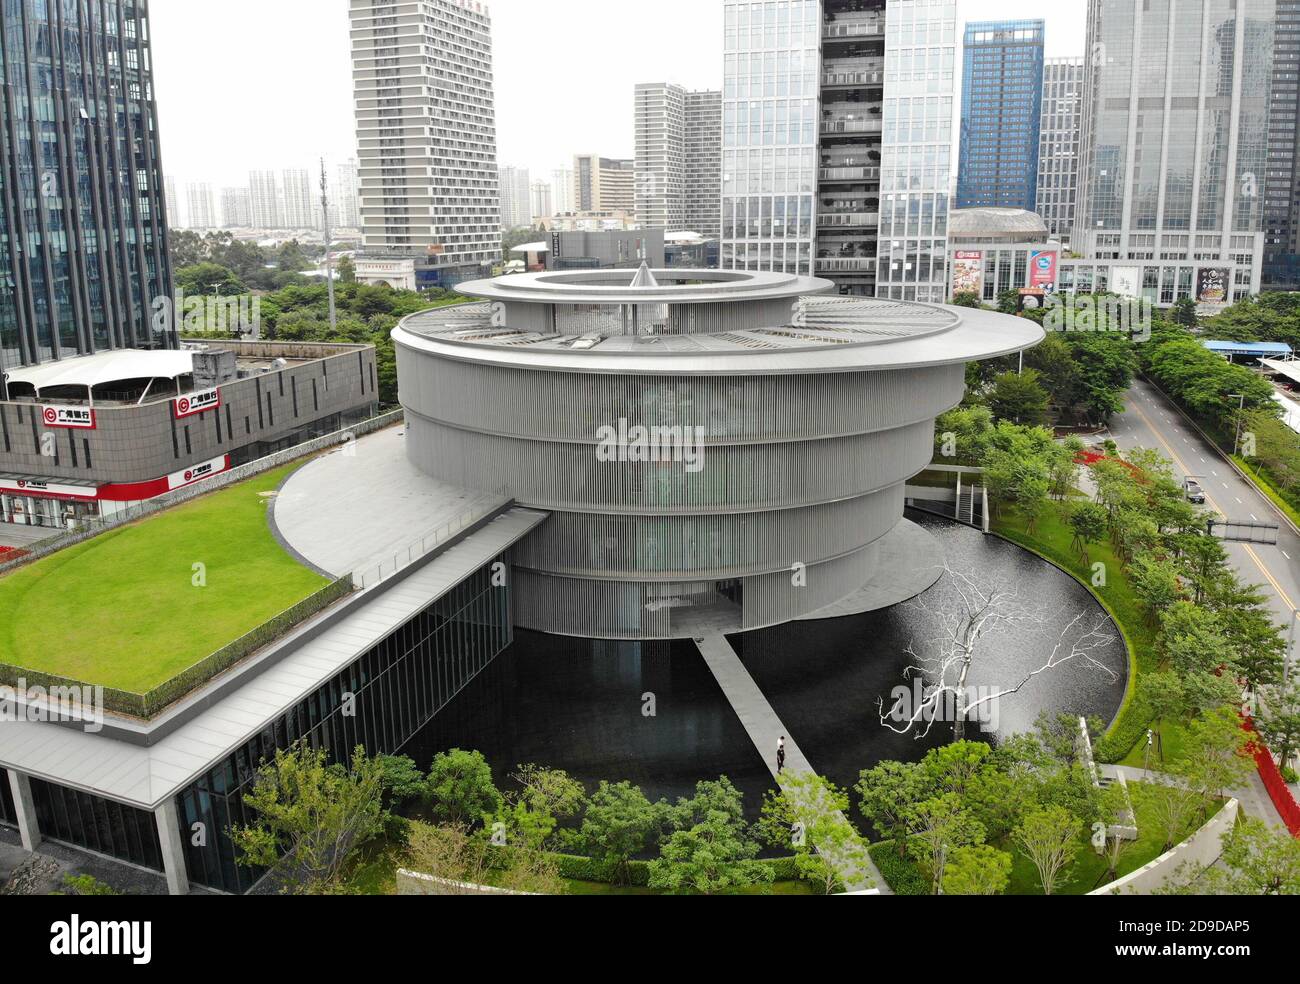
[
  {"x": 1279, "y": 792},
  {"x": 11, "y": 553},
  {"x": 1091, "y": 458}
]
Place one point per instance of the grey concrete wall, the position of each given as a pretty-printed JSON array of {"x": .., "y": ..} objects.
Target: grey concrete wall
[{"x": 136, "y": 444}]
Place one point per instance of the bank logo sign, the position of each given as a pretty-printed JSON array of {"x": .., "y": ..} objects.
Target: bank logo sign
[
  {"x": 196, "y": 403},
  {"x": 77, "y": 418},
  {"x": 180, "y": 479}
]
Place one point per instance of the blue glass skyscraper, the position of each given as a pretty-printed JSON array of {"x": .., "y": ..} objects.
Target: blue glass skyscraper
[{"x": 1001, "y": 107}]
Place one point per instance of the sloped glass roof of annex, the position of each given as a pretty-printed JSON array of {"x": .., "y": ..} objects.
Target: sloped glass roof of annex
[{"x": 791, "y": 324}]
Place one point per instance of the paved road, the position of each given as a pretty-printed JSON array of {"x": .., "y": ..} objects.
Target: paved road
[{"x": 1151, "y": 421}]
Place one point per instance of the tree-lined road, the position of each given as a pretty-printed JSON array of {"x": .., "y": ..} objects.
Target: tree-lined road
[{"x": 1151, "y": 421}]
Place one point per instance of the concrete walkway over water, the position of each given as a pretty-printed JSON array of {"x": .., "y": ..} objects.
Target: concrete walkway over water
[{"x": 764, "y": 729}]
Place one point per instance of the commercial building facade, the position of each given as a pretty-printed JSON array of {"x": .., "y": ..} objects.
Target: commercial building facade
[
  {"x": 599, "y": 249},
  {"x": 603, "y": 184},
  {"x": 1175, "y": 144},
  {"x": 678, "y": 163},
  {"x": 1060, "y": 145},
  {"x": 992, "y": 250},
  {"x": 83, "y": 230},
  {"x": 1282, "y": 186},
  {"x": 426, "y": 135},
  {"x": 83, "y": 439},
  {"x": 1001, "y": 111},
  {"x": 516, "y": 197},
  {"x": 837, "y": 137}
]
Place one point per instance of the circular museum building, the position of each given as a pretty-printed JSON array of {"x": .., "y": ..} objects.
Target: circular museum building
[{"x": 717, "y": 450}]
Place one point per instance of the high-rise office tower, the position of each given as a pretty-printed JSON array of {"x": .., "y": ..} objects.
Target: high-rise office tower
[
  {"x": 236, "y": 208},
  {"x": 543, "y": 206},
  {"x": 916, "y": 149},
  {"x": 81, "y": 184},
  {"x": 1282, "y": 187},
  {"x": 173, "y": 203},
  {"x": 1175, "y": 142},
  {"x": 562, "y": 190},
  {"x": 516, "y": 197},
  {"x": 837, "y": 120},
  {"x": 1001, "y": 111},
  {"x": 659, "y": 112},
  {"x": 603, "y": 184},
  {"x": 264, "y": 200},
  {"x": 703, "y": 207},
  {"x": 301, "y": 200},
  {"x": 678, "y": 157},
  {"x": 343, "y": 196},
  {"x": 426, "y": 135},
  {"x": 1059, "y": 145},
  {"x": 202, "y": 206}
]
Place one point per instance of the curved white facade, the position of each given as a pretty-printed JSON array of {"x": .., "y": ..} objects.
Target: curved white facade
[{"x": 775, "y": 448}]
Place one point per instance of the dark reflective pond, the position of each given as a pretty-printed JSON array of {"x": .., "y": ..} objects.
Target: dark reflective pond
[{"x": 581, "y": 705}]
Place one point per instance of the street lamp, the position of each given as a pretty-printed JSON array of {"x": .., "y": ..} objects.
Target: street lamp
[{"x": 1241, "y": 411}]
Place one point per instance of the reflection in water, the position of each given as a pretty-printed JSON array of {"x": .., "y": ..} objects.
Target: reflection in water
[{"x": 579, "y": 704}]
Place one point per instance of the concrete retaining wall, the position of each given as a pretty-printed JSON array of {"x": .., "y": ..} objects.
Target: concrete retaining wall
[
  {"x": 1201, "y": 849},
  {"x": 414, "y": 883}
]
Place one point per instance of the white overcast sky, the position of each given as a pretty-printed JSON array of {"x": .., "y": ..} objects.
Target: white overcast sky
[{"x": 250, "y": 84}]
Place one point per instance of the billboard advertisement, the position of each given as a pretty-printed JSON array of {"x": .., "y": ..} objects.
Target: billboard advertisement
[
  {"x": 1211, "y": 285},
  {"x": 1042, "y": 269},
  {"x": 1126, "y": 281},
  {"x": 967, "y": 272}
]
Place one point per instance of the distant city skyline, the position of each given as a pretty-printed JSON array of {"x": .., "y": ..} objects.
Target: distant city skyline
[{"x": 218, "y": 132}]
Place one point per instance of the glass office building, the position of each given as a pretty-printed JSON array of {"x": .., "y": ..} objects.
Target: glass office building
[
  {"x": 1282, "y": 188},
  {"x": 380, "y": 701},
  {"x": 1001, "y": 108},
  {"x": 916, "y": 149},
  {"x": 1175, "y": 141},
  {"x": 1059, "y": 145},
  {"x": 83, "y": 232}
]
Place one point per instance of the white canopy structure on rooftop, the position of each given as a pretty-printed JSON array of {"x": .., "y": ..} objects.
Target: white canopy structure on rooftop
[{"x": 104, "y": 368}]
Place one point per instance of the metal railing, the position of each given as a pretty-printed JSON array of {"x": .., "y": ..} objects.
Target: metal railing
[
  {"x": 861, "y": 76},
  {"x": 851, "y": 126},
  {"x": 849, "y": 173},
  {"x": 844, "y": 263},
  {"x": 834, "y": 218},
  {"x": 845, "y": 27},
  {"x": 368, "y": 577}
]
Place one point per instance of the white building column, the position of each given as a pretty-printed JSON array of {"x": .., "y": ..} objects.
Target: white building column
[
  {"x": 173, "y": 848},
  {"x": 25, "y": 808}
]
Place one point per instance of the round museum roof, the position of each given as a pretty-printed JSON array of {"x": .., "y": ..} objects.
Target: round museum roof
[
  {"x": 643, "y": 286},
  {"x": 823, "y": 333},
  {"x": 996, "y": 223}
]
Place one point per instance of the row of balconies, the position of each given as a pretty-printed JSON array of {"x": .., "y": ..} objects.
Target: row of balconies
[
  {"x": 853, "y": 71},
  {"x": 849, "y": 173},
  {"x": 833, "y": 123},
  {"x": 846, "y": 219},
  {"x": 854, "y": 25}
]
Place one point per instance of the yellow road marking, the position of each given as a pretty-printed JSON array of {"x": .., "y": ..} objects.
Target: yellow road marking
[{"x": 1210, "y": 499}]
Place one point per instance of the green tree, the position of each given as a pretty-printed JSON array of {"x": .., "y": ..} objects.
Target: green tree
[
  {"x": 1215, "y": 757},
  {"x": 807, "y": 814},
  {"x": 977, "y": 870},
  {"x": 310, "y": 818},
  {"x": 347, "y": 270},
  {"x": 1255, "y": 861},
  {"x": 887, "y": 793},
  {"x": 1278, "y": 720},
  {"x": 1184, "y": 313},
  {"x": 1018, "y": 397},
  {"x": 710, "y": 848},
  {"x": 460, "y": 789},
  {"x": 205, "y": 279},
  {"x": 1088, "y": 523},
  {"x": 1162, "y": 694},
  {"x": 532, "y": 812},
  {"x": 937, "y": 826},
  {"x": 966, "y": 298},
  {"x": 620, "y": 823},
  {"x": 1049, "y": 836}
]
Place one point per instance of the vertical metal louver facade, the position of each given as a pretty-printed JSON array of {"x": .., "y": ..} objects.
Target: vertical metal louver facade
[{"x": 83, "y": 231}]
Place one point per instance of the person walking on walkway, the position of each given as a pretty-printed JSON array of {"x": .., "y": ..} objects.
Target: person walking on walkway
[{"x": 780, "y": 754}]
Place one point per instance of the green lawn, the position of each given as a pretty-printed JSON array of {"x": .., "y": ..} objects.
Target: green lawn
[
  {"x": 120, "y": 609},
  {"x": 1089, "y": 868}
]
